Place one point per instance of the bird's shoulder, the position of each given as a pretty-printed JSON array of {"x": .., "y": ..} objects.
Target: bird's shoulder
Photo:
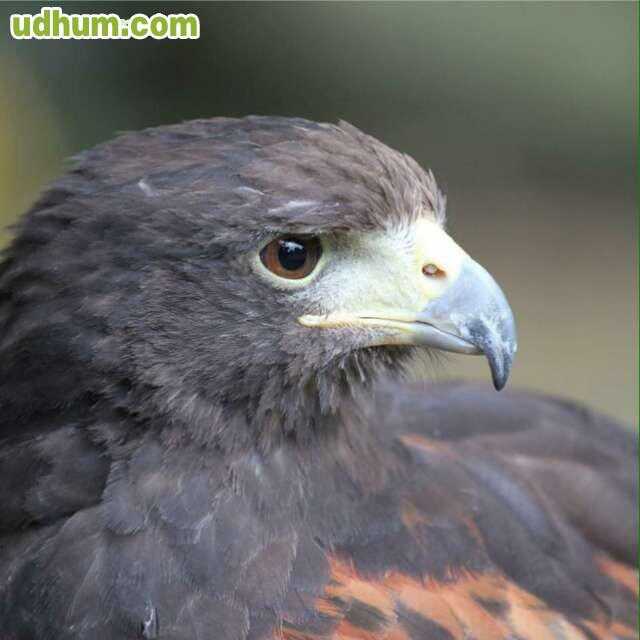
[
  {"x": 568, "y": 457},
  {"x": 487, "y": 526}
]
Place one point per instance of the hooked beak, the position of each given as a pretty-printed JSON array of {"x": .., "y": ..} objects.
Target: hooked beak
[
  {"x": 472, "y": 316},
  {"x": 465, "y": 310}
]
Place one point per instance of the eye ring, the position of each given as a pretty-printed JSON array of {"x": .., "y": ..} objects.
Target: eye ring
[{"x": 292, "y": 257}]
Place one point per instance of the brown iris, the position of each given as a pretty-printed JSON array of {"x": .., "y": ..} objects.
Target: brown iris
[{"x": 291, "y": 257}]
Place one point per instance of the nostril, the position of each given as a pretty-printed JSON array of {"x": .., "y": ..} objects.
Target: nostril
[{"x": 432, "y": 271}]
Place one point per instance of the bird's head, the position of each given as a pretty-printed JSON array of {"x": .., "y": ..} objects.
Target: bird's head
[{"x": 263, "y": 266}]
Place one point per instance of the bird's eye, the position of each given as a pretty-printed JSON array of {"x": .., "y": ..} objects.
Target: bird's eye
[{"x": 291, "y": 257}]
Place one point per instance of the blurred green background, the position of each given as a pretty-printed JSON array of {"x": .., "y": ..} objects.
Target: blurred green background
[{"x": 525, "y": 111}]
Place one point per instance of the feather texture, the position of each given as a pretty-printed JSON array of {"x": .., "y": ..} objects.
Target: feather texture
[{"x": 179, "y": 460}]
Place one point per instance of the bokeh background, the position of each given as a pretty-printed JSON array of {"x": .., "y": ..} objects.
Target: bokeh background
[{"x": 525, "y": 111}]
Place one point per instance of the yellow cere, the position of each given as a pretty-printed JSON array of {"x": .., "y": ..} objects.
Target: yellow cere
[{"x": 380, "y": 274}]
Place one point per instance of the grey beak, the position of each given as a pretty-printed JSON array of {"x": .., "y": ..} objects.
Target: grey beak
[{"x": 475, "y": 315}]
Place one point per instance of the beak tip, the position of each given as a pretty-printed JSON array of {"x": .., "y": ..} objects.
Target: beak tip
[
  {"x": 499, "y": 382},
  {"x": 500, "y": 362}
]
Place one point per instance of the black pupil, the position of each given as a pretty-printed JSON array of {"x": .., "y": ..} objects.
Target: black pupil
[{"x": 292, "y": 254}]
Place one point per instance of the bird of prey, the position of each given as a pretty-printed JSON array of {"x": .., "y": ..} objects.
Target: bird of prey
[{"x": 208, "y": 431}]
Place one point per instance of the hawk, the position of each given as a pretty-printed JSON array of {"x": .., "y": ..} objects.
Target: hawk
[{"x": 207, "y": 428}]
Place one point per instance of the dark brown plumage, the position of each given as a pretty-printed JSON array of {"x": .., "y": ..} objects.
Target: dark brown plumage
[{"x": 191, "y": 447}]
